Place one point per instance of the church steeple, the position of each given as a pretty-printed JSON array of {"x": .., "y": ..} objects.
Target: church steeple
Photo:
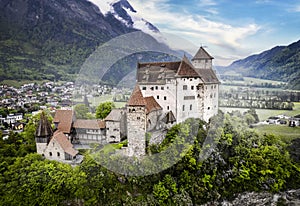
[{"x": 44, "y": 131}]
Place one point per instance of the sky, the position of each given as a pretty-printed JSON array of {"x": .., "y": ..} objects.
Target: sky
[{"x": 229, "y": 29}]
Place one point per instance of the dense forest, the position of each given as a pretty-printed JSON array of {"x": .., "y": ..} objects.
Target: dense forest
[{"x": 241, "y": 160}]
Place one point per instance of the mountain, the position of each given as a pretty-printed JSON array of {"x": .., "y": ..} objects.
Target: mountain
[
  {"x": 51, "y": 39},
  {"x": 279, "y": 63}
]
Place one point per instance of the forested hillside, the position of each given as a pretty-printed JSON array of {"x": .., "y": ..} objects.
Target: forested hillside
[
  {"x": 280, "y": 63},
  {"x": 41, "y": 39},
  {"x": 240, "y": 161}
]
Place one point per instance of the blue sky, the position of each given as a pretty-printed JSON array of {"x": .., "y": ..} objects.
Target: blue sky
[{"x": 231, "y": 29}]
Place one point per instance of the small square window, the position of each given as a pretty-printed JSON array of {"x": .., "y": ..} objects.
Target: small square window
[
  {"x": 162, "y": 88},
  {"x": 184, "y": 87},
  {"x": 144, "y": 88}
]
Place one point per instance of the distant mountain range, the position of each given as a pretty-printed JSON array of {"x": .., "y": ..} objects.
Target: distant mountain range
[
  {"x": 279, "y": 63},
  {"x": 51, "y": 39}
]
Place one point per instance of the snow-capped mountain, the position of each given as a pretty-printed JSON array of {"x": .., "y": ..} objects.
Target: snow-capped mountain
[{"x": 124, "y": 12}]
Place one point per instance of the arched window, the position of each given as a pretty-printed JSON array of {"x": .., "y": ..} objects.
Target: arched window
[
  {"x": 58, "y": 154},
  {"x": 50, "y": 154}
]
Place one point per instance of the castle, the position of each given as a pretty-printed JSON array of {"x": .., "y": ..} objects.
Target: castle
[{"x": 165, "y": 93}]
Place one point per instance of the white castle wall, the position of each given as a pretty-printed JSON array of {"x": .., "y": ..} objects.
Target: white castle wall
[
  {"x": 187, "y": 105},
  {"x": 211, "y": 100},
  {"x": 165, "y": 95}
]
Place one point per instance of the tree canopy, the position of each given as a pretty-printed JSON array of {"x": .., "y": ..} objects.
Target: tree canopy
[{"x": 104, "y": 109}]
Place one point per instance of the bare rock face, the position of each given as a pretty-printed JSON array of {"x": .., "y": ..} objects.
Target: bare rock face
[{"x": 291, "y": 198}]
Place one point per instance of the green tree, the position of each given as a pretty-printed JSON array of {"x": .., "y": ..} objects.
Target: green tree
[
  {"x": 82, "y": 112},
  {"x": 104, "y": 109}
]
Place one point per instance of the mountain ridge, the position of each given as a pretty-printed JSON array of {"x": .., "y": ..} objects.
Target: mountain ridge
[
  {"x": 278, "y": 63},
  {"x": 50, "y": 39}
]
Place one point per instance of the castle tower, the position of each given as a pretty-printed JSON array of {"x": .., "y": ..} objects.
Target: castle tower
[
  {"x": 202, "y": 60},
  {"x": 136, "y": 123},
  {"x": 43, "y": 134}
]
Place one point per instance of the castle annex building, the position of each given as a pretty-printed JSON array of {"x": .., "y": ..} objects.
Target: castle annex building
[{"x": 165, "y": 93}]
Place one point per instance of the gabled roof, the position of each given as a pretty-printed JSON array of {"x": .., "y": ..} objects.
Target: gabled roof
[
  {"x": 115, "y": 115},
  {"x": 186, "y": 69},
  {"x": 44, "y": 128},
  {"x": 156, "y": 72},
  {"x": 208, "y": 76},
  {"x": 89, "y": 124},
  {"x": 136, "y": 98},
  {"x": 64, "y": 118},
  {"x": 202, "y": 54},
  {"x": 64, "y": 143},
  {"x": 151, "y": 104}
]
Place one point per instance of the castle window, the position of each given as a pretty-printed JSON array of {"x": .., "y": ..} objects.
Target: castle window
[
  {"x": 211, "y": 95},
  {"x": 162, "y": 88},
  {"x": 156, "y": 87},
  {"x": 138, "y": 118},
  {"x": 188, "y": 97},
  {"x": 168, "y": 107},
  {"x": 192, "y": 87},
  {"x": 191, "y": 106},
  {"x": 167, "y": 87},
  {"x": 182, "y": 107},
  {"x": 215, "y": 86},
  {"x": 152, "y": 88},
  {"x": 208, "y": 108},
  {"x": 165, "y": 98},
  {"x": 214, "y": 94},
  {"x": 191, "y": 79},
  {"x": 157, "y": 97},
  {"x": 212, "y": 87},
  {"x": 58, "y": 154},
  {"x": 144, "y": 88},
  {"x": 184, "y": 87},
  {"x": 50, "y": 154}
]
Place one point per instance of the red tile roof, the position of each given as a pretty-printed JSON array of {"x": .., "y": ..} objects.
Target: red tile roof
[
  {"x": 136, "y": 98},
  {"x": 64, "y": 118},
  {"x": 65, "y": 144},
  {"x": 186, "y": 69},
  {"x": 89, "y": 124},
  {"x": 151, "y": 104}
]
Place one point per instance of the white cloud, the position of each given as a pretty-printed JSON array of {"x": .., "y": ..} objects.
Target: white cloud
[
  {"x": 195, "y": 27},
  {"x": 207, "y": 3},
  {"x": 295, "y": 8}
]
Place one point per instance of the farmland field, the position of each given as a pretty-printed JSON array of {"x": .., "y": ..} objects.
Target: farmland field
[
  {"x": 286, "y": 133},
  {"x": 263, "y": 114}
]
